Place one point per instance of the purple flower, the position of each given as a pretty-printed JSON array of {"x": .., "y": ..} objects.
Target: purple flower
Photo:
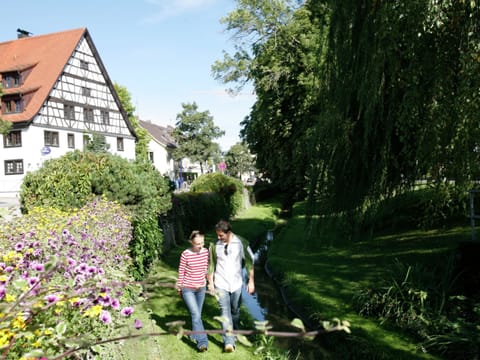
[
  {"x": 127, "y": 311},
  {"x": 18, "y": 246},
  {"x": 32, "y": 281},
  {"x": 138, "y": 324},
  {"x": 105, "y": 317},
  {"x": 52, "y": 299},
  {"x": 81, "y": 268},
  {"x": 3, "y": 291},
  {"x": 72, "y": 262},
  {"x": 115, "y": 304},
  {"x": 38, "y": 267},
  {"x": 104, "y": 300}
]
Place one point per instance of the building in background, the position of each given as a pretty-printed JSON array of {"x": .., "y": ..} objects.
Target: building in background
[
  {"x": 160, "y": 148},
  {"x": 56, "y": 92}
]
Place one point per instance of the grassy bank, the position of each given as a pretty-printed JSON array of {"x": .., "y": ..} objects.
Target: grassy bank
[{"x": 323, "y": 278}]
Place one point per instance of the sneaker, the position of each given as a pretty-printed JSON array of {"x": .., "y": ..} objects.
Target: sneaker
[
  {"x": 202, "y": 348},
  {"x": 229, "y": 348}
]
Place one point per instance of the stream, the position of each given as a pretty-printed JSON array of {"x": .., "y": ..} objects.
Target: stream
[{"x": 267, "y": 304}]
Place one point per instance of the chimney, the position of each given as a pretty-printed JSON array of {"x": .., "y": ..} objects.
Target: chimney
[{"x": 23, "y": 33}]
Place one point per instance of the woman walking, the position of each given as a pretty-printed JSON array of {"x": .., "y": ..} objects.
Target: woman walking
[{"x": 191, "y": 283}]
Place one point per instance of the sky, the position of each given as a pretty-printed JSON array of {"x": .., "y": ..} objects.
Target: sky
[{"x": 160, "y": 50}]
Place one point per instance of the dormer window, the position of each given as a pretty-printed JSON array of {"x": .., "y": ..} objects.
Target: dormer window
[
  {"x": 12, "y": 104},
  {"x": 11, "y": 79}
]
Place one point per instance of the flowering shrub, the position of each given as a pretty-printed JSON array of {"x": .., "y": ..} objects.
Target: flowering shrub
[{"x": 63, "y": 279}]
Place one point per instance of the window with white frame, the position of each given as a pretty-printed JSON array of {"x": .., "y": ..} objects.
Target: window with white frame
[{"x": 13, "y": 167}]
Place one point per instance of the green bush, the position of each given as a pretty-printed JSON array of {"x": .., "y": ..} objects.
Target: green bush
[
  {"x": 423, "y": 208},
  {"x": 70, "y": 181},
  {"x": 197, "y": 211},
  {"x": 147, "y": 245},
  {"x": 229, "y": 187}
]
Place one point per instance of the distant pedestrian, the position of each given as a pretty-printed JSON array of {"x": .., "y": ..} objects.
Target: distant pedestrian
[
  {"x": 191, "y": 283},
  {"x": 228, "y": 257}
]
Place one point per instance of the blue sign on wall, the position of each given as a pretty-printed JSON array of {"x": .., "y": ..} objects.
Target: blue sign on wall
[{"x": 46, "y": 150}]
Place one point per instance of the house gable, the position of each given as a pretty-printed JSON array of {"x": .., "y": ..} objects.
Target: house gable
[{"x": 56, "y": 91}]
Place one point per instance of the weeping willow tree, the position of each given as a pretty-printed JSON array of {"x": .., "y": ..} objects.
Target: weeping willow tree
[
  {"x": 401, "y": 89},
  {"x": 357, "y": 100}
]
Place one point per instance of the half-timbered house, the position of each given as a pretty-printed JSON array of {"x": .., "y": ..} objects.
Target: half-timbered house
[{"x": 56, "y": 92}]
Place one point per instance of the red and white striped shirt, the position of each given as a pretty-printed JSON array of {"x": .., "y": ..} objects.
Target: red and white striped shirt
[{"x": 192, "y": 270}]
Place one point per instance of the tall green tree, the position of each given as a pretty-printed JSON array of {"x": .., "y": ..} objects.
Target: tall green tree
[
  {"x": 239, "y": 160},
  {"x": 277, "y": 50},
  {"x": 360, "y": 99},
  {"x": 194, "y": 134},
  {"x": 143, "y": 137},
  {"x": 97, "y": 143}
]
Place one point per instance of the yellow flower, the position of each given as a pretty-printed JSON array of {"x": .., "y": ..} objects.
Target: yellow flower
[
  {"x": 93, "y": 311},
  {"x": 48, "y": 331},
  {"x": 5, "y": 336},
  {"x": 74, "y": 300},
  {"x": 10, "y": 298},
  {"x": 18, "y": 323}
]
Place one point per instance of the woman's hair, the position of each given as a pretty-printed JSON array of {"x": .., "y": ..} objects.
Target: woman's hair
[{"x": 194, "y": 234}]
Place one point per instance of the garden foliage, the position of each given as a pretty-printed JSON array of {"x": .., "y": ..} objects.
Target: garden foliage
[
  {"x": 230, "y": 188},
  {"x": 197, "y": 210},
  {"x": 64, "y": 281},
  {"x": 70, "y": 181}
]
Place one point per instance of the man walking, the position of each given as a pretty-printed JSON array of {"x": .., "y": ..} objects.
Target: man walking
[{"x": 228, "y": 257}]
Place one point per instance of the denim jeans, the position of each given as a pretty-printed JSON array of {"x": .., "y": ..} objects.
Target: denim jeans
[
  {"x": 194, "y": 299},
  {"x": 230, "y": 307}
]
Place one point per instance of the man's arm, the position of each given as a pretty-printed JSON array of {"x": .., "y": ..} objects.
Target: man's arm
[{"x": 251, "y": 282}]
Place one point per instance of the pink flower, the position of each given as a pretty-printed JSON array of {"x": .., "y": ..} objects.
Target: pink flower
[
  {"x": 105, "y": 317},
  {"x": 138, "y": 324},
  {"x": 127, "y": 311},
  {"x": 51, "y": 299}
]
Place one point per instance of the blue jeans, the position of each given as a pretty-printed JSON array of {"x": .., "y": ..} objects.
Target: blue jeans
[
  {"x": 230, "y": 307},
  {"x": 194, "y": 299}
]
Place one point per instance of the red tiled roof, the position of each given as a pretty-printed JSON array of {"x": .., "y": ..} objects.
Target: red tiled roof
[{"x": 47, "y": 55}]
